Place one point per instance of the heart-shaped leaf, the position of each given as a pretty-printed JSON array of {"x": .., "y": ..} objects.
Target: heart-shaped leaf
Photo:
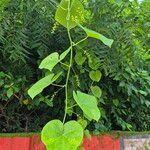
[
  {"x": 57, "y": 136},
  {"x": 76, "y": 13},
  {"x": 97, "y": 92},
  {"x": 95, "y": 75},
  {"x": 39, "y": 86},
  {"x": 96, "y": 35},
  {"x": 88, "y": 104}
]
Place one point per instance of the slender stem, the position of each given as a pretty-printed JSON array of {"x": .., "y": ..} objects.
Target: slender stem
[
  {"x": 58, "y": 85},
  {"x": 64, "y": 64},
  {"x": 80, "y": 41},
  {"x": 67, "y": 80},
  {"x": 72, "y": 106},
  {"x": 70, "y": 64}
]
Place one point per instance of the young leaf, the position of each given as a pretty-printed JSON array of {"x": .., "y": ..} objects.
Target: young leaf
[
  {"x": 97, "y": 92},
  {"x": 39, "y": 86},
  {"x": 68, "y": 136},
  {"x": 96, "y": 35},
  {"x": 50, "y": 61},
  {"x": 76, "y": 13},
  {"x": 95, "y": 75},
  {"x": 88, "y": 104}
]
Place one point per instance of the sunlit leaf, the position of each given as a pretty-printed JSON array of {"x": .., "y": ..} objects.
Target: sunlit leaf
[
  {"x": 96, "y": 35},
  {"x": 55, "y": 135},
  {"x": 76, "y": 13},
  {"x": 39, "y": 86},
  {"x": 50, "y": 61},
  {"x": 88, "y": 104}
]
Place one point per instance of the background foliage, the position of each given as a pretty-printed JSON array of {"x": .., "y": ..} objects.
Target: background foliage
[{"x": 28, "y": 33}]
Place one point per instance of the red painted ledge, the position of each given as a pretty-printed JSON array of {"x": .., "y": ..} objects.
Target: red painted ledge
[{"x": 104, "y": 142}]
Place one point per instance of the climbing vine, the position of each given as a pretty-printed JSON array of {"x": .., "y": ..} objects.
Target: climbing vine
[{"x": 56, "y": 133}]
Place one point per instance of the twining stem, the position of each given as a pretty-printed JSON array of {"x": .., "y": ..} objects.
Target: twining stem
[
  {"x": 70, "y": 63},
  {"x": 71, "y": 57}
]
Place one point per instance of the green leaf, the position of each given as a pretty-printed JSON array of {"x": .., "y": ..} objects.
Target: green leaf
[
  {"x": 95, "y": 75},
  {"x": 50, "y": 61},
  {"x": 116, "y": 102},
  {"x": 64, "y": 54},
  {"x": 55, "y": 135},
  {"x": 39, "y": 86},
  {"x": 143, "y": 92},
  {"x": 88, "y": 104},
  {"x": 94, "y": 63},
  {"x": 57, "y": 76},
  {"x": 79, "y": 59},
  {"x": 2, "y": 74},
  {"x": 96, "y": 35},
  {"x": 97, "y": 92},
  {"x": 10, "y": 92},
  {"x": 76, "y": 13}
]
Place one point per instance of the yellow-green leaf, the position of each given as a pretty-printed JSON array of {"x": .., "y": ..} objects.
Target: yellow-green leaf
[
  {"x": 56, "y": 135},
  {"x": 50, "y": 61},
  {"x": 88, "y": 104},
  {"x": 39, "y": 86},
  {"x": 96, "y": 35},
  {"x": 76, "y": 13}
]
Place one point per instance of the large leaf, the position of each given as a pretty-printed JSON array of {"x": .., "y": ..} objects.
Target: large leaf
[
  {"x": 76, "y": 13},
  {"x": 88, "y": 104},
  {"x": 96, "y": 35},
  {"x": 39, "y": 86},
  {"x": 50, "y": 61},
  {"x": 57, "y": 136}
]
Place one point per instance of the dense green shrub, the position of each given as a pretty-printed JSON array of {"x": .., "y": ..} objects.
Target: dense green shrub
[{"x": 28, "y": 33}]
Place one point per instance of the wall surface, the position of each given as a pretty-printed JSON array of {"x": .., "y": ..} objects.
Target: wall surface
[{"x": 102, "y": 142}]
